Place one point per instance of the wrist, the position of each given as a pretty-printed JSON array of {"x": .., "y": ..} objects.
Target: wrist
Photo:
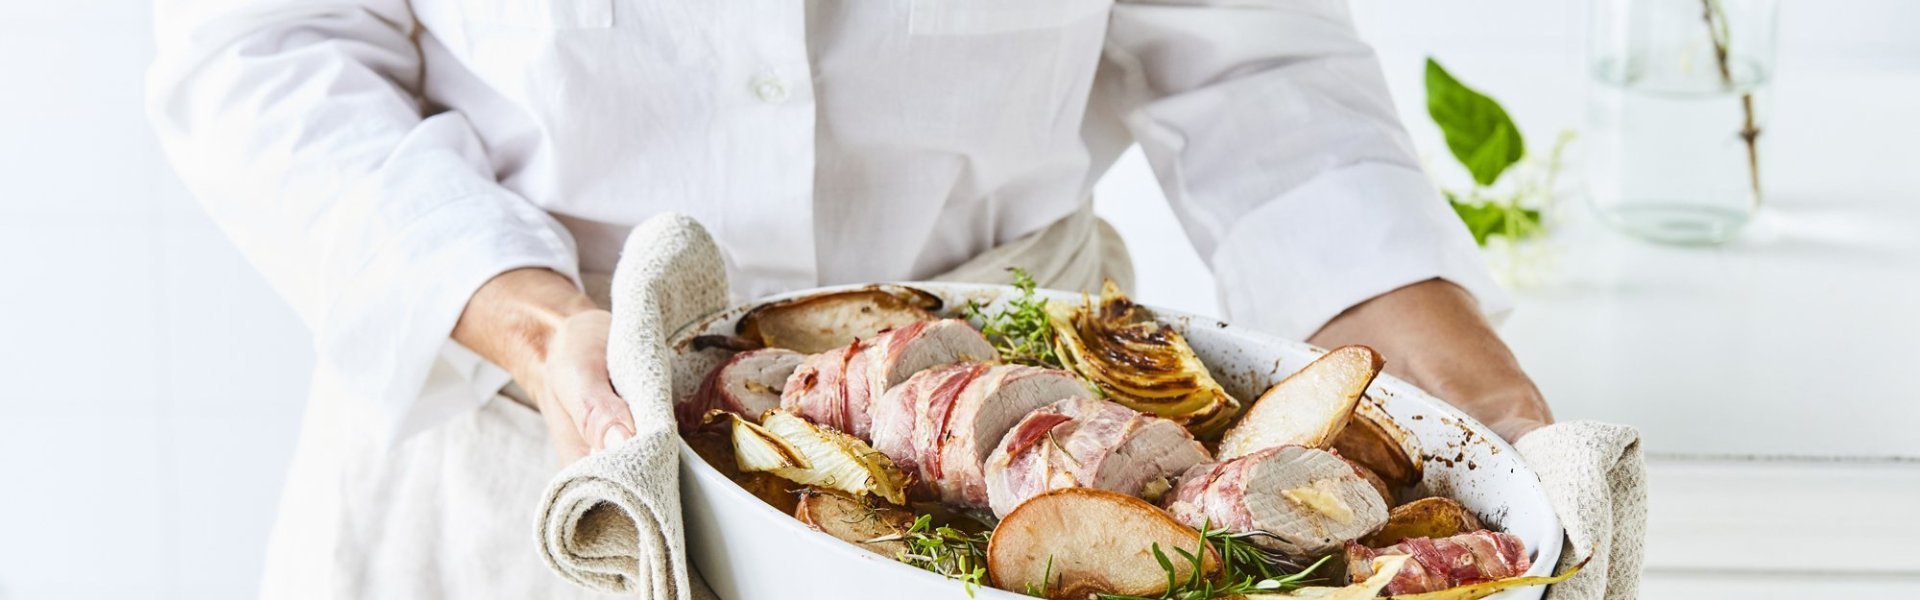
[{"x": 513, "y": 318}]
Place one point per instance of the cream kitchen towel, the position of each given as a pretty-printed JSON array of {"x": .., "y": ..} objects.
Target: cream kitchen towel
[
  {"x": 612, "y": 521},
  {"x": 1597, "y": 481}
]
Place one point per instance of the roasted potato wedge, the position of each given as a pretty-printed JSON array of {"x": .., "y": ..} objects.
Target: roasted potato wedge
[
  {"x": 861, "y": 522},
  {"x": 822, "y": 322},
  {"x": 1308, "y": 408},
  {"x": 792, "y": 448},
  {"x": 1434, "y": 517},
  {"x": 716, "y": 447},
  {"x": 1372, "y": 439},
  {"x": 1092, "y": 542}
]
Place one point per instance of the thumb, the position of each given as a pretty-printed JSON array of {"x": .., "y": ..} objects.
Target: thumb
[{"x": 605, "y": 420}]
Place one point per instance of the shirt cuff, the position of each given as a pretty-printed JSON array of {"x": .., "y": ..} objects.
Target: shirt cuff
[
  {"x": 386, "y": 337},
  {"x": 1293, "y": 264}
]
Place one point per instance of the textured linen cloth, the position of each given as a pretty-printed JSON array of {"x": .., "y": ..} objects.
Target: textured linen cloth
[
  {"x": 612, "y": 521},
  {"x": 1596, "y": 479}
]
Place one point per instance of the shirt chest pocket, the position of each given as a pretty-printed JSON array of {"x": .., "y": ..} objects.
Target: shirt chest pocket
[
  {"x": 979, "y": 17},
  {"x": 537, "y": 14}
]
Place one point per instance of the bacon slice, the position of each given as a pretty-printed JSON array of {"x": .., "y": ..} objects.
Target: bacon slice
[
  {"x": 1087, "y": 442},
  {"x": 1438, "y": 564},
  {"x": 982, "y": 414},
  {"x": 838, "y": 388},
  {"x": 1307, "y": 502},
  {"x": 747, "y": 384}
]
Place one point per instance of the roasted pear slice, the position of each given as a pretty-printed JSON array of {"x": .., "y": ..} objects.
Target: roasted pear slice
[
  {"x": 822, "y": 322},
  {"x": 1309, "y": 407},
  {"x": 1078, "y": 542},
  {"x": 859, "y": 521},
  {"x": 1140, "y": 362},
  {"x": 792, "y": 448}
]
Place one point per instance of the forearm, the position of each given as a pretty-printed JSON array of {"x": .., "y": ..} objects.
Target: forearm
[
  {"x": 512, "y": 319},
  {"x": 1433, "y": 336}
]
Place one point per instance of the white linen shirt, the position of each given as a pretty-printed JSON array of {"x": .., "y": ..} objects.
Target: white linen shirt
[{"x": 379, "y": 160}]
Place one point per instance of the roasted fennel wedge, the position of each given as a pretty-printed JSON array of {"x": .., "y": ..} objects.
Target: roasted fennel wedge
[
  {"x": 793, "y": 449},
  {"x": 1140, "y": 363}
]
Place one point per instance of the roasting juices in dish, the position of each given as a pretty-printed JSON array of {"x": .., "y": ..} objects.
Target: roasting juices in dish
[{"x": 1077, "y": 449}]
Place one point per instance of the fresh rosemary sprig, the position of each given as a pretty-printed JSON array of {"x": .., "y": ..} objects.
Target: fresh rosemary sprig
[
  {"x": 1245, "y": 569},
  {"x": 1039, "y": 590},
  {"x": 1022, "y": 330},
  {"x": 946, "y": 550}
]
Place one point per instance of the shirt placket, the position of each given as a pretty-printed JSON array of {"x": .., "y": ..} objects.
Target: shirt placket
[{"x": 768, "y": 148}]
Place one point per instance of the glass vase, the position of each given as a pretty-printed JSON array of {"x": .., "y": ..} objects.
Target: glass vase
[{"x": 1677, "y": 111}]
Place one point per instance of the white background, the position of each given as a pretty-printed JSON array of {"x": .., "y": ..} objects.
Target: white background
[{"x": 157, "y": 382}]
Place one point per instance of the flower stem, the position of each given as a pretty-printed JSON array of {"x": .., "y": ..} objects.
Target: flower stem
[{"x": 1717, "y": 28}]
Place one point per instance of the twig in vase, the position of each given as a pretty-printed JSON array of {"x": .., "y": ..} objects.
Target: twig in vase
[{"x": 1717, "y": 28}]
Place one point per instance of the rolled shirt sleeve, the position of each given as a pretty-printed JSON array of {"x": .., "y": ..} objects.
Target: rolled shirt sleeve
[
  {"x": 1274, "y": 136},
  {"x": 297, "y": 126}
]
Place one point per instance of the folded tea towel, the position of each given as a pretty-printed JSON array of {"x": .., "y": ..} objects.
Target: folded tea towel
[
  {"x": 1597, "y": 481},
  {"x": 611, "y": 521}
]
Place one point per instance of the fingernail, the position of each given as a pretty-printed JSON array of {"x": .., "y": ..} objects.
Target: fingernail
[{"x": 615, "y": 436}]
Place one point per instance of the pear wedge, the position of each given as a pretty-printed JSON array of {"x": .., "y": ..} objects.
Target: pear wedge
[{"x": 1308, "y": 408}]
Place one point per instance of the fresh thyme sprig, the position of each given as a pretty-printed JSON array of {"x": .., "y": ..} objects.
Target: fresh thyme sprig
[
  {"x": 1245, "y": 569},
  {"x": 1022, "y": 330},
  {"x": 945, "y": 550}
]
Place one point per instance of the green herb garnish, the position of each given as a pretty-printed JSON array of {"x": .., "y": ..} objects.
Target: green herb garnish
[
  {"x": 947, "y": 551},
  {"x": 1022, "y": 330},
  {"x": 1244, "y": 569},
  {"x": 1046, "y": 581}
]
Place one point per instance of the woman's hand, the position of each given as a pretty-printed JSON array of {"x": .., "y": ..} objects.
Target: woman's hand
[
  {"x": 553, "y": 339},
  {"x": 1433, "y": 336}
]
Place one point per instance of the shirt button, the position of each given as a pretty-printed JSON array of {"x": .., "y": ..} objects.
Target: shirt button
[{"x": 770, "y": 90}]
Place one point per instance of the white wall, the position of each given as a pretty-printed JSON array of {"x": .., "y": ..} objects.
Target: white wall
[{"x": 157, "y": 382}]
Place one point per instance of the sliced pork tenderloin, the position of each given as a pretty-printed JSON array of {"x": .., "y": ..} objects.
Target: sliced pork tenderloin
[
  {"x": 817, "y": 389},
  {"x": 980, "y": 416},
  {"x": 897, "y": 416},
  {"x": 1088, "y": 442},
  {"x": 1438, "y": 564},
  {"x": 838, "y": 388},
  {"x": 747, "y": 383},
  {"x": 1307, "y": 502}
]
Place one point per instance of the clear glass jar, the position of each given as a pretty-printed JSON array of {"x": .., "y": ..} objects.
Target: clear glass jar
[{"x": 1677, "y": 110}]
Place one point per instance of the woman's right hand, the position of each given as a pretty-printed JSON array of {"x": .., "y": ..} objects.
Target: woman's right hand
[{"x": 553, "y": 339}]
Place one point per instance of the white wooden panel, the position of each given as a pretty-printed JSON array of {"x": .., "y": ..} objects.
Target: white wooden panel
[
  {"x": 1776, "y": 586},
  {"x": 1784, "y": 516}
]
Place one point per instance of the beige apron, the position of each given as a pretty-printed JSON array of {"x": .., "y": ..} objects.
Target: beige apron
[{"x": 449, "y": 512}]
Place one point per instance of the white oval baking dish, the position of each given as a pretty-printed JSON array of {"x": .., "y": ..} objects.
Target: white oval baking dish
[{"x": 748, "y": 551}]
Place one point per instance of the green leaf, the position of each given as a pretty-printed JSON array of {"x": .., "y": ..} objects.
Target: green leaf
[
  {"x": 1482, "y": 219},
  {"x": 1478, "y": 131},
  {"x": 1487, "y": 219}
]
